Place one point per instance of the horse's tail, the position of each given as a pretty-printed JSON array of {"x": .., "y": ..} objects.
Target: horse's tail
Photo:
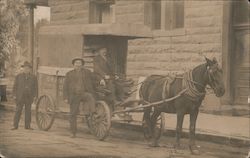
[
  {"x": 143, "y": 90},
  {"x": 146, "y": 85}
]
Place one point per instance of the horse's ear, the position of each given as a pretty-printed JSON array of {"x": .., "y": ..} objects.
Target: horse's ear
[{"x": 209, "y": 62}]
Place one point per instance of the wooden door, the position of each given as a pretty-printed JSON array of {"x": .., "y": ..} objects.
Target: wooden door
[{"x": 241, "y": 64}]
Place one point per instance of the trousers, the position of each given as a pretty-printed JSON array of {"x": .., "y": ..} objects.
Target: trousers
[
  {"x": 88, "y": 102},
  {"x": 19, "y": 108}
]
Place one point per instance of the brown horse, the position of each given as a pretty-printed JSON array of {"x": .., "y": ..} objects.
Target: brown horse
[{"x": 154, "y": 89}]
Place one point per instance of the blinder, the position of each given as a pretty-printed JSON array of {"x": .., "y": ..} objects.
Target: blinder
[{"x": 211, "y": 70}]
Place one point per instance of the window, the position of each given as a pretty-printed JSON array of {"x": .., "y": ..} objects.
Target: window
[
  {"x": 164, "y": 15},
  {"x": 102, "y": 11},
  {"x": 153, "y": 14}
]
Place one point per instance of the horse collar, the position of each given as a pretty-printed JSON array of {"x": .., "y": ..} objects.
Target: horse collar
[{"x": 189, "y": 84}]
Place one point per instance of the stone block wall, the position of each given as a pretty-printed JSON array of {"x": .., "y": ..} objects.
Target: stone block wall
[
  {"x": 77, "y": 11},
  {"x": 129, "y": 11},
  {"x": 182, "y": 49},
  {"x": 69, "y": 11}
]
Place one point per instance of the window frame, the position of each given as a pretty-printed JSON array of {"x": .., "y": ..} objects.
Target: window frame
[
  {"x": 96, "y": 8},
  {"x": 173, "y": 30}
]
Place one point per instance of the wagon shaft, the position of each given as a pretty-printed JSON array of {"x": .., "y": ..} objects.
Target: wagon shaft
[{"x": 150, "y": 104}]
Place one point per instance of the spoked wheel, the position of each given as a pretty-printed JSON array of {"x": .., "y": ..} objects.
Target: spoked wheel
[
  {"x": 45, "y": 112},
  {"x": 100, "y": 122},
  {"x": 159, "y": 128}
]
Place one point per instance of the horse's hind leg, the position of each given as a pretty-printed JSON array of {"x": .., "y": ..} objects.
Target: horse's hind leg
[
  {"x": 147, "y": 123},
  {"x": 193, "y": 117},
  {"x": 156, "y": 135}
]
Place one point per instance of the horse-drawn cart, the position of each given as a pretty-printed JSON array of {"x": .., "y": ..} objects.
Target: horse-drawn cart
[{"x": 47, "y": 108}]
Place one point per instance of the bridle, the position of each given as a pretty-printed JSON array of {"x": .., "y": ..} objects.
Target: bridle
[{"x": 210, "y": 71}]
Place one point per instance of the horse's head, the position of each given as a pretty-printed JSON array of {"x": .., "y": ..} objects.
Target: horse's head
[{"x": 215, "y": 77}]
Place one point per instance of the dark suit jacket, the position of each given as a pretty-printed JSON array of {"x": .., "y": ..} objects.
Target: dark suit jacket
[
  {"x": 102, "y": 67},
  {"x": 25, "y": 84},
  {"x": 69, "y": 83}
]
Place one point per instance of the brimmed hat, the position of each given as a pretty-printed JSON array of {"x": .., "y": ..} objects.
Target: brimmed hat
[
  {"x": 26, "y": 64},
  {"x": 78, "y": 58}
]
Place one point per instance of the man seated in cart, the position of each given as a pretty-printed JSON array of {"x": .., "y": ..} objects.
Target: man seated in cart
[
  {"x": 78, "y": 88},
  {"x": 107, "y": 77},
  {"x": 104, "y": 70}
]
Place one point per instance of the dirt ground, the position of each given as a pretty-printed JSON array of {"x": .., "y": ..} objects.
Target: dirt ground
[{"x": 120, "y": 144}]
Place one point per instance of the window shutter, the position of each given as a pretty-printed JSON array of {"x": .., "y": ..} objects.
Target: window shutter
[
  {"x": 156, "y": 14},
  {"x": 178, "y": 14},
  {"x": 168, "y": 15},
  {"x": 148, "y": 13},
  {"x": 152, "y": 14}
]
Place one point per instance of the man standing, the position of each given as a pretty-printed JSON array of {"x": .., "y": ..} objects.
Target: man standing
[
  {"x": 24, "y": 91},
  {"x": 78, "y": 88}
]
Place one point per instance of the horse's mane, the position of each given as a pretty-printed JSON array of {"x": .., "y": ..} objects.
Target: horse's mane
[{"x": 199, "y": 74}]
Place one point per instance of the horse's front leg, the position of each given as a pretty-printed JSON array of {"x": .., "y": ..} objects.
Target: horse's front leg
[
  {"x": 193, "y": 117},
  {"x": 180, "y": 117}
]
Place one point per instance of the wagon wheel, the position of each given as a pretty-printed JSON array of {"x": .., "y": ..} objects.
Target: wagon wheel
[
  {"x": 100, "y": 122},
  {"x": 159, "y": 128},
  {"x": 45, "y": 112}
]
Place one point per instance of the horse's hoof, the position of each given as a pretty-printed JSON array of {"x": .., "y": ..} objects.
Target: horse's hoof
[{"x": 194, "y": 150}]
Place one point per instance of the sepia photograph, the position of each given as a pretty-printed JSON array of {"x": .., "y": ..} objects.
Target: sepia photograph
[{"x": 124, "y": 79}]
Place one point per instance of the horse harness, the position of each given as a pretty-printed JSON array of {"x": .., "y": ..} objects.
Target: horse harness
[
  {"x": 192, "y": 92},
  {"x": 188, "y": 84}
]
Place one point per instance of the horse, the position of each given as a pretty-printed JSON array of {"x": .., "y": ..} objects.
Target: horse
[{"x": 194, "y": 83}]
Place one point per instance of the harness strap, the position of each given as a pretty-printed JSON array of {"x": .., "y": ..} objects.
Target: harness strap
[
  {"x": 164, "y": 89},
  {"x": 192, "y": 91}
]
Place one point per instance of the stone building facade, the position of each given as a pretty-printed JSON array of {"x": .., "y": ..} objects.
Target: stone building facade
[{"x": 181, "y": 33}]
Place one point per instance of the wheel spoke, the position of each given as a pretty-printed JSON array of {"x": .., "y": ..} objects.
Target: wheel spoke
[
  {"x": 41, "y": 121},
  {"x": 105, "y": 123},
  {"x": 159, "y": 118},
  {"x": 104, "y": 127},
  {"x": 44, "y": 123},
  {"x": 98, "y": 132},
  {"x": 39, "y": 117}
]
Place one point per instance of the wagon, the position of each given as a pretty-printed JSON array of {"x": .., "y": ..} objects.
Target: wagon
[{"x": 56, "y": 48}]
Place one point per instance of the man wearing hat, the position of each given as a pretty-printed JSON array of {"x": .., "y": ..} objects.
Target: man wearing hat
[
  {"x": 24, "y": 91},
  {"x": 78, "y": 87}
]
